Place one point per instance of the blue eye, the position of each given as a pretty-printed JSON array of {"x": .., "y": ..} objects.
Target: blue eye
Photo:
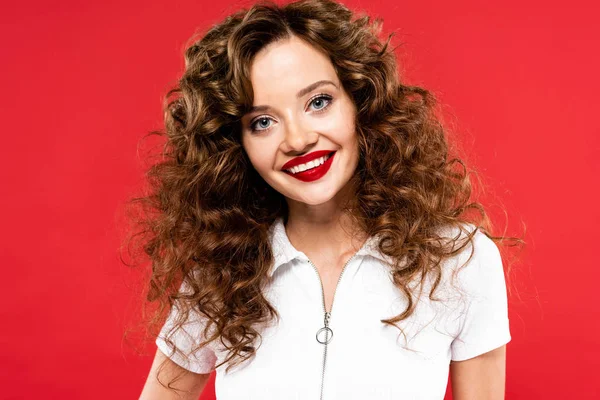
[
  {"x": 320, "y": 98},
  {"x": 263, "y": 120},
  {"x": 258, "y": 121}
]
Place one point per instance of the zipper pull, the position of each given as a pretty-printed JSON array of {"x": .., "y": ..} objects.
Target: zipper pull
[{"x": 325, "y": 334}]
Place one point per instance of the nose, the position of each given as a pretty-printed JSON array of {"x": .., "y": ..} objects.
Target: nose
[{"x": 298, "y": 138}]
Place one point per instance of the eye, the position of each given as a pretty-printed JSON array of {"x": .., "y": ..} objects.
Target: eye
[
  {"x": 319, "y": 99},
  {"x": 260, "y": 123}
]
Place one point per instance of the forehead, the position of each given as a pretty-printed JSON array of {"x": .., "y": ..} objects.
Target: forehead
[{"x": 289, "y": 64}]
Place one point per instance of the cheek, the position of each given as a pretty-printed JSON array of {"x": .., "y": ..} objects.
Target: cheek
[
  {"x": 259, "y": 157},
  {"x": 350, "y": 139},
  {"x": 260, "y": 165}
]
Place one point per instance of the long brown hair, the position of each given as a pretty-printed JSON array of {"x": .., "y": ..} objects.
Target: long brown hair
[{"x": 208, "y": 212}]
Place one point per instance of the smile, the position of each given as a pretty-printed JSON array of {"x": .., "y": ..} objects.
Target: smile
[
  {"x": 308, "y": 165},
  {"x": 312, "y": 170}
]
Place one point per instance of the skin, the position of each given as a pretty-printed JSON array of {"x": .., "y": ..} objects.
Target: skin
[
  {"x": 294, "y": 126},
  {"x": 480, "y": 378},
  {"x": 291, "y": 126}
]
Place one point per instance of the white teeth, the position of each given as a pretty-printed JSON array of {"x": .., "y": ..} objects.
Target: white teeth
[{"x": 311, "y": 164}]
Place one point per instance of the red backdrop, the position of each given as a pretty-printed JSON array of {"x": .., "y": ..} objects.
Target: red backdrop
[{"x": 82, "y": 82}]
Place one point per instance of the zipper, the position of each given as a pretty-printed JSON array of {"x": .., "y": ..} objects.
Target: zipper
[{"x": 325, "y": 334}]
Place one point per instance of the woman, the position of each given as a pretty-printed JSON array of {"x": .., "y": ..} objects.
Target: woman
[{"x": 313, "y": 237}]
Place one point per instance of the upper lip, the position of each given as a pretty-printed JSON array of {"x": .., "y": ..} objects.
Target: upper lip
[{"x": 306, "y": 158}]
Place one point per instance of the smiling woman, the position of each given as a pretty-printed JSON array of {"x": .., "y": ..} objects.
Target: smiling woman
[
  {"x": 300, "y": 170},
  {"x": 310, "y": 114}
]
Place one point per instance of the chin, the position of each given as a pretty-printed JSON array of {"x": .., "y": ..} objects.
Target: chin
[
  {"x": 314, "y": 199},
  {"x": 313, "y": 202}
]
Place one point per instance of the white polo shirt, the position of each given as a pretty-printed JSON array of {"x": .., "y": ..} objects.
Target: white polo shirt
[{"x": 365, "y": 358}]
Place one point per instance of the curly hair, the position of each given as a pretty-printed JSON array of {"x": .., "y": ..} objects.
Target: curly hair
[{"x": 209, "y": 211}]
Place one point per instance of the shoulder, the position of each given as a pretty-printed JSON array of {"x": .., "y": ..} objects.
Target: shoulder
[
  {"x": 469, "y": 243},
  {"x": 476, "y": 267}
]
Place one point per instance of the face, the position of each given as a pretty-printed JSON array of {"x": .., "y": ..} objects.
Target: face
[{"x": 301, "y": 112}]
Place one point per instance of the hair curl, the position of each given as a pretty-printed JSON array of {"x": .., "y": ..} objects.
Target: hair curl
[{"x": 209, "y": 211}]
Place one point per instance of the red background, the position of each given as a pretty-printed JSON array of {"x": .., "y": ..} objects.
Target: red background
[{"x": 83, "y": 81}]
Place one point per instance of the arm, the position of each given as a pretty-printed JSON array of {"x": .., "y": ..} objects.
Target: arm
[
  {"x": 478, "y": 367},
  {"x": 189, "y": 384},
  {"x": 481, "y": 378}
]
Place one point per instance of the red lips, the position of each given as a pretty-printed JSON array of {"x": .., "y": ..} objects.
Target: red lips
[
  {"x": 315, "y": 173},
  {"x": 306, "y": 158}
]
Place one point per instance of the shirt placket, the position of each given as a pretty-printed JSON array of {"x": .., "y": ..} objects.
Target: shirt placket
[{"x": 324, "y": 335}]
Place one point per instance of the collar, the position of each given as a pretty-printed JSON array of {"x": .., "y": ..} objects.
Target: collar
[{"x": 284, "y": 251}]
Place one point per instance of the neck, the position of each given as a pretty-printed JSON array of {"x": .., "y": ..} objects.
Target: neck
[{"x": 328, "y": 229}]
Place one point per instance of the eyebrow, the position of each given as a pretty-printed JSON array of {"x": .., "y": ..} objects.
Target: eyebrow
[{"x": 300, "y": 94}]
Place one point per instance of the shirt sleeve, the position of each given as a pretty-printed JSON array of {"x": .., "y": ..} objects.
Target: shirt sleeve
[
  {"x": 484, "y": 324},
  {"x": 179, "y": 348}
]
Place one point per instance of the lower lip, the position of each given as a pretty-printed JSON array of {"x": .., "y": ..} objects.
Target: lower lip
[{"x": 314, "y": 173}]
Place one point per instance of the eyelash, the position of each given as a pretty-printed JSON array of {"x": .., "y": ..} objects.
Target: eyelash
[{"x": 317, "y": 97}]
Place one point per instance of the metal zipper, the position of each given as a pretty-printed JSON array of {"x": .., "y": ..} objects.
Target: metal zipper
[{"x": 326, "y": 330}]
